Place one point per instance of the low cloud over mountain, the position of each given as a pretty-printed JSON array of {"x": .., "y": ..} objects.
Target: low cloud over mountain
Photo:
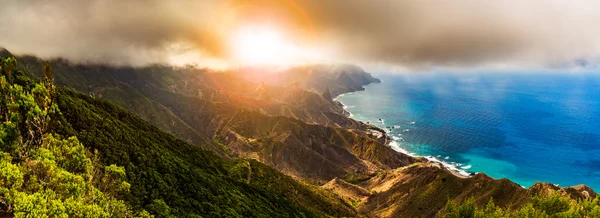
[{"x": 464, "y": 33}]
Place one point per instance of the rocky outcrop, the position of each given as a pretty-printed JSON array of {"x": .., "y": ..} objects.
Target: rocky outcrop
[{"x": 575, "y": 192}]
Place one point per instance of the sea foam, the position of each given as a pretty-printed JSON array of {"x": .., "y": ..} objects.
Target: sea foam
[{"x": 452, "y": 166}]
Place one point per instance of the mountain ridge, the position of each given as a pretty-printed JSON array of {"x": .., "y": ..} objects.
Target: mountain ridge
[
  {"x": 210, "y": 117},
  {"x": 230, "y": 119}
]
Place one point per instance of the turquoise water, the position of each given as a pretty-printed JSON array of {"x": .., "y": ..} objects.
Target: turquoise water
[{"x": 525, "y": 127}]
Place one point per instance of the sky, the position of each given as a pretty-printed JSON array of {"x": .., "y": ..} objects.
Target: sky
[{"x": 221, "y": 33}]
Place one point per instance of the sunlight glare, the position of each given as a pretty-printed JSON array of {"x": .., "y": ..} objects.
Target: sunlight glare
[{"x": 262, "y": 45}]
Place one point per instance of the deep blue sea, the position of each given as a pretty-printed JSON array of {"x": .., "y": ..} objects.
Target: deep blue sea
[{"x": 527, "y": 127}]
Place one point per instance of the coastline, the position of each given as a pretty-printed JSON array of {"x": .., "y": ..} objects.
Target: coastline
[{"x": 394, "y": 143}]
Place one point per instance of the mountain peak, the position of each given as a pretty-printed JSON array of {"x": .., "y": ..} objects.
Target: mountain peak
[
  {"x": 4, "y": 52},
  {"x": 327, "y": 94}
]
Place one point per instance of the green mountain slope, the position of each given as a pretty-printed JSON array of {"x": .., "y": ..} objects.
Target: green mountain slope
[
  {"x": 167, "y": 176},
  {"x": 189, "y": 178}
]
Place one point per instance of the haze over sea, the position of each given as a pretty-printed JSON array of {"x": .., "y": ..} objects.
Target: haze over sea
[{"x": 527, "y": 127}]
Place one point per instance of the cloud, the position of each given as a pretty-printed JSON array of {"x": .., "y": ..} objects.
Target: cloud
[
  {"x": 428, "y": 33},
  {"x": 463, "y": 33},
  {"x": 120, "y": 32}
]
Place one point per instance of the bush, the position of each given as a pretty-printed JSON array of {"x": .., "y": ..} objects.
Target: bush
[{"x": 554, "y": 205}]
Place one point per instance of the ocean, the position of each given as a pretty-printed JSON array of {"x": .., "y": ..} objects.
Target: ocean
[{"x": 526, "y": 127}]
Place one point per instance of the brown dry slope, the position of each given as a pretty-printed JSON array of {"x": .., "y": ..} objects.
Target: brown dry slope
[
  {"x": 422, "y": 190},
  {"x": 352, "y": 194},
  {"x": 302, "y": 150}
]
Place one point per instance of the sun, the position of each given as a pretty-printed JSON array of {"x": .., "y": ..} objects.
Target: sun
[{"x": 258, "y": 45}]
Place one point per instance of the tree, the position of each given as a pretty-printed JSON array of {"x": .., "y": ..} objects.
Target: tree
[
  {"x": 43, "y": 174},
  {"x": 8, "y": 67},
  {"x": 554, "y": 205},
  {"x": 490, "y": 211},
  {"x": 465, "y": 210}
]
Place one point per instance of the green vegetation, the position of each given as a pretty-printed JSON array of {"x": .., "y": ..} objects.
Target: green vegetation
[
  {"x": 68, "y": 154},
  {"x": 354, "y": 178},
  {"x": 550, "y": 206},
  {"x": 43, "y": 174}
]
